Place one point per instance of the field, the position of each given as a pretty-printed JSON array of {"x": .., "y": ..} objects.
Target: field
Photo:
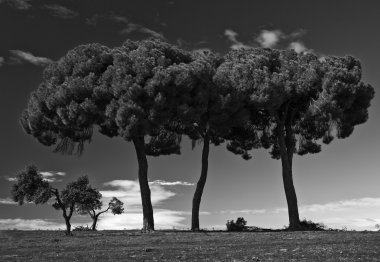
[{"x": 187, "y": 246}]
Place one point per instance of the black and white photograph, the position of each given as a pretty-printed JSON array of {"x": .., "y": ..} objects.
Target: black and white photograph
[{"x": 189, "y": 130}]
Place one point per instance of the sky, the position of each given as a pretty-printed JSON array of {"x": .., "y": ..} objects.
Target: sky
[{"x": 339, "y": 186}]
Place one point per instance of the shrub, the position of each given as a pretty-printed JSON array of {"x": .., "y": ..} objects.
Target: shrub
[
  {"x": 312, "y": 226},
  {"x": 239, "y": 225},
  {"x": 82, "y": 228}
]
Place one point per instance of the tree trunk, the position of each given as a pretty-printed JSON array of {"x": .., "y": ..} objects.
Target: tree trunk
[
  {"x": 287, "y": 176},
  {"x": 148, "y": 221},
  {"x": 68, "y": 226},
  {"x": 94, "y": 221},
  {"x": 200, "y": 185}
]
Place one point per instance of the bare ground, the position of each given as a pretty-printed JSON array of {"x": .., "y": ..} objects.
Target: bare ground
[{"x": 189, "y": 246}]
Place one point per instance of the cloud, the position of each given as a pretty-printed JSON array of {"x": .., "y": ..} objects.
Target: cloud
[
  {"x": 231, "y": 35},
  {"x": 297, "y": 34},
  {"x": 245, "y": 211},
  {"x": 128, "y": 191},
  {"x": 61, "y": 11},
  {"x": 336, "y": 206},
  {"x": 351, "y": 204},
  {"x": 1, "y": 61},
  {"x": 272, "y": 39},
  {"x": 94, "y": 20},
  {"x": 18, "y": 57},
  {"x": 163, "y": 219},
  {"x": 51, "y": 176},
  {"x": 7, "y": 201},
  {"x": 299, "y": 47},
  {"x": 269, "y": 39},
  {"x": 131, "y": 28},
  {"x": 174, "y": 183},
  {"x": 32, "y": 224},
  {"x": 358, "y": 214},
  {"x": 128, "y": 26},
  {"x": 18, "y": 4},
  {"x": 10, "y": 179}
]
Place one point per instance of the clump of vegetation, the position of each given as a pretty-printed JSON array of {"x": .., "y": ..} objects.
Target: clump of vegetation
[
  {"x": 239, "y": 225},
  {"x": 82, "y": 228},
  {"x": 308, "y": 225}
]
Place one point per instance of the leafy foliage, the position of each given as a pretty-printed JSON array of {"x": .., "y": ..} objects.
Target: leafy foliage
[
  {"x": 70, "y": 100},
  {"x": 314, "y": 96},
  {"x": 309, "y": 225},
  {"x": 31, "y": 187},
  {"x": 116, "y": 206},
  {"x": 239, "y": 225}
]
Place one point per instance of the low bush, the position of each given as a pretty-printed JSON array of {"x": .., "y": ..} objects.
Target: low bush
[
  {"x": 239, "y": 225},
  {"x": 82, "y": 228},
  {"x": 308, "y": 225}
]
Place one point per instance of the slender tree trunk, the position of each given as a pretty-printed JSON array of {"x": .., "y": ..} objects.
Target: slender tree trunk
[
  {"x": 94, "y": 221},
  {"x": 200, "y": 185},
  {"x": 148, "y": 221},
  {"x": 287, "y": 176},
  {"x": 68, "y": 225}
]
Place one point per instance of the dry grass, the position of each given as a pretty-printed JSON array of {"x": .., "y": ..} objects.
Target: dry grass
[{"x": 188, "y": 246}]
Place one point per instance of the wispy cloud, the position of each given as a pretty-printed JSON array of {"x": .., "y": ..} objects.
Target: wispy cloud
[
  {"x": 128, "y": 26},
  {"x": 7, "y": 201},
  {"x": 232, "y": 36},
  {"x": 244, "y": 211},
  {"x": 188, "y": 213},
  {"x": 95, "y": 19},
  {"x": 61, "y": 11},
  {"x": 52, "y": 176},
  {"x": 1, "y": 61},
  {"x": 269, "y": 39},
  {"x": 351, "y": 204},
  {"x": 343, "y": 205},
  {"x": 18, "y": 4},
  {"x": 31, "y": 224},
  {"x": 132, "y": 27},
  {"x": 19, "y": 57},
  {"x": 174, "y": 183}
]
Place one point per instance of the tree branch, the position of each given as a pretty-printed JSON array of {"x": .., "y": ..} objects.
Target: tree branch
[
  {"x": 289, "y": 138},
  {"x": 71, "y": 210},
  {"x": 101, "y": 212}
]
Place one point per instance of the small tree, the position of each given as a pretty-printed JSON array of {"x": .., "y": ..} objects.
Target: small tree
[
  {"x": 31, "y": 187},
  {"x": 91, "y": 205}
]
